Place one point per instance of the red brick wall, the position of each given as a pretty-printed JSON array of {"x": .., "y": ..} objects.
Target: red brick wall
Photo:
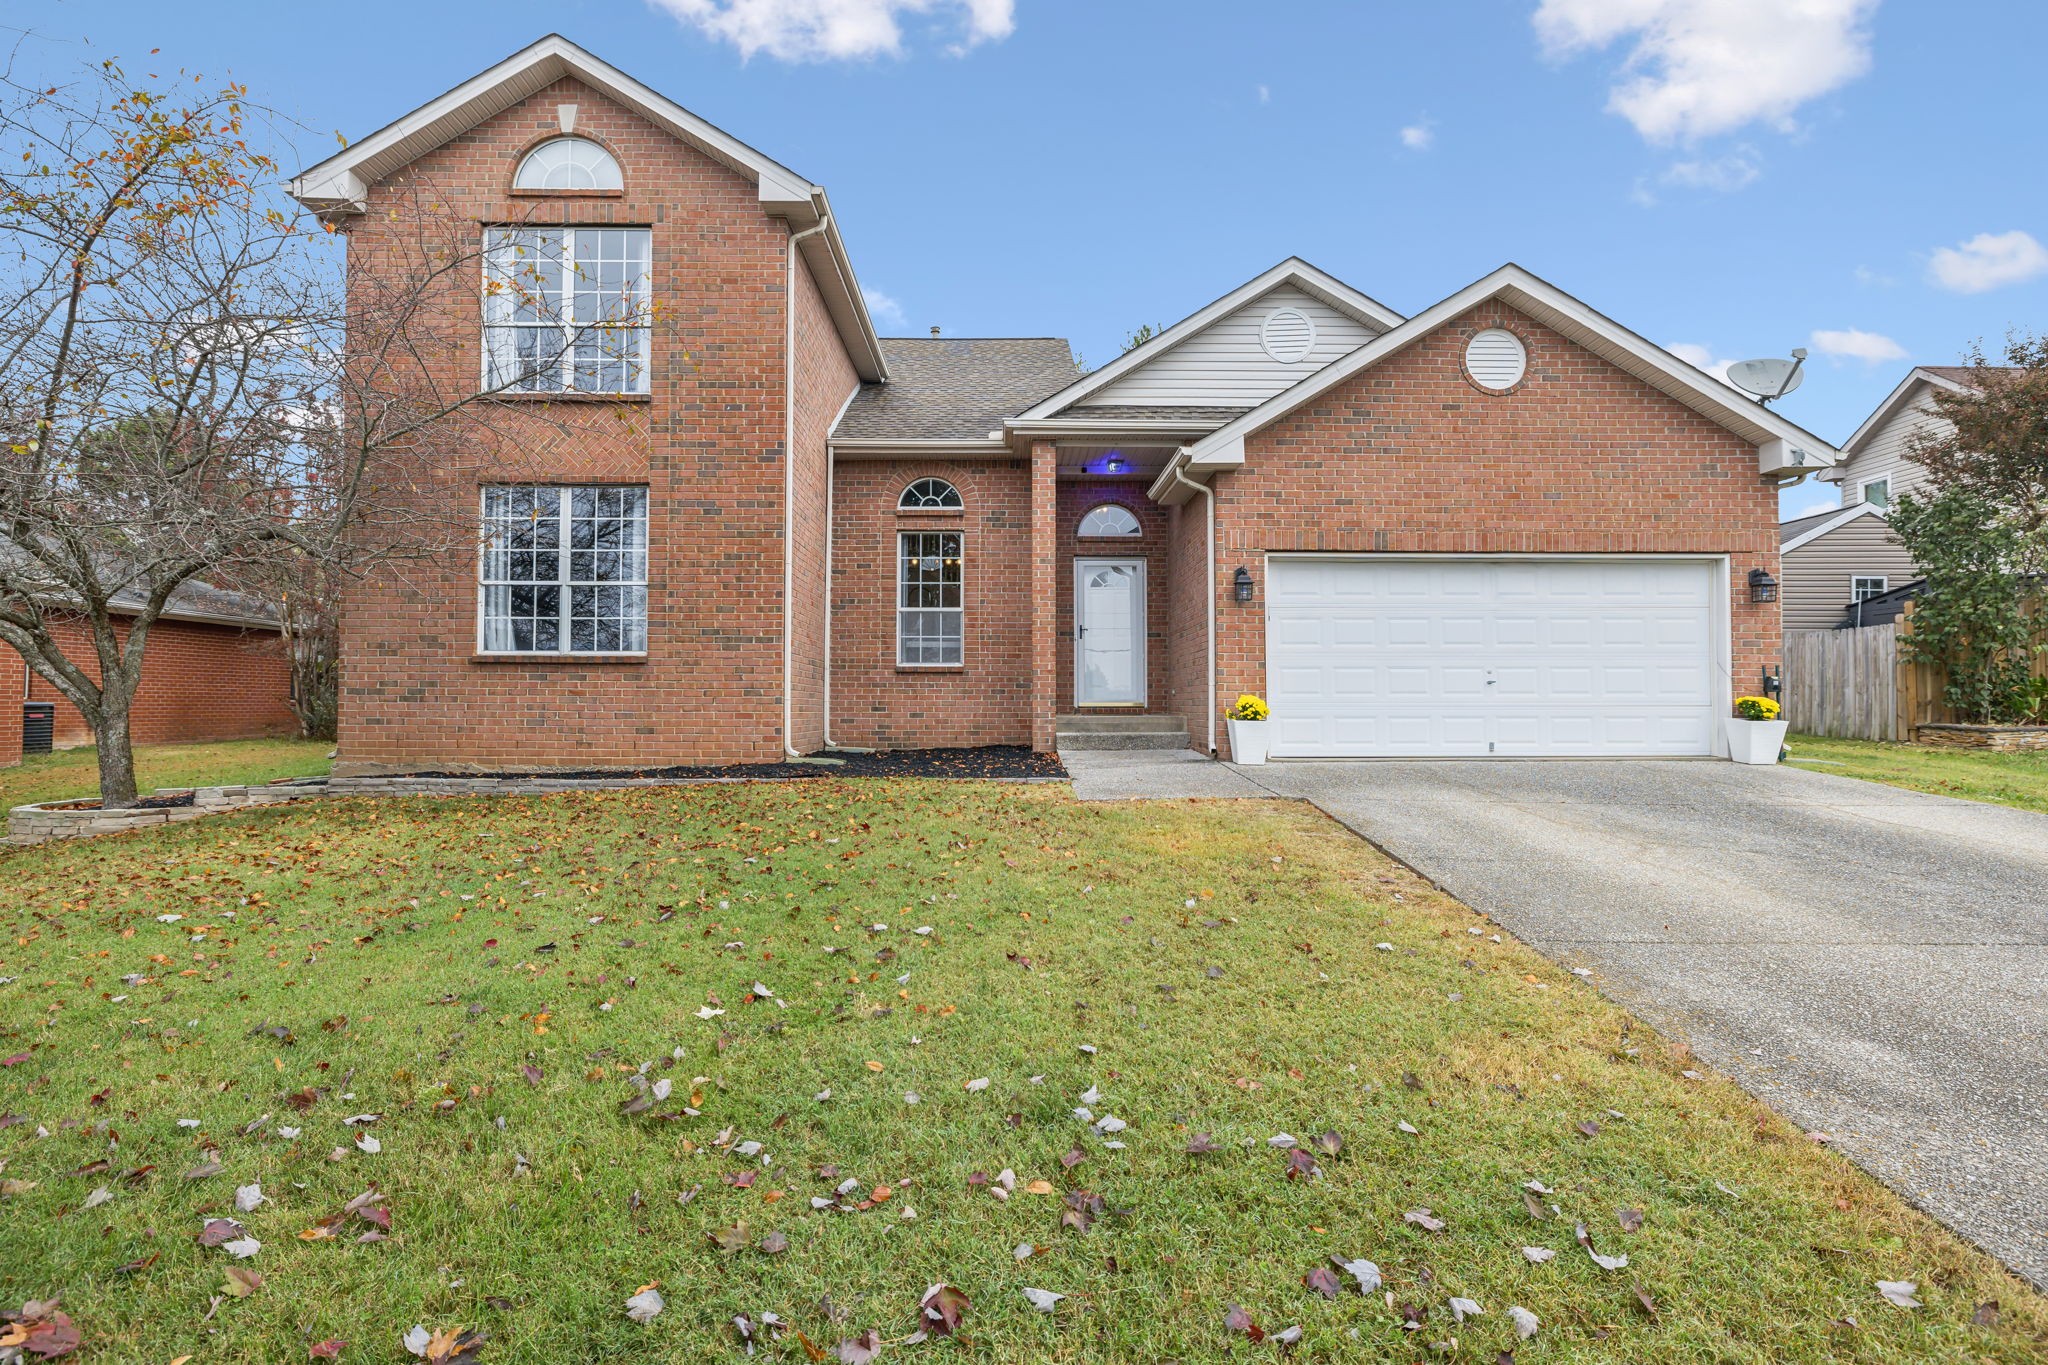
[
  {"x": 824, "y": 380},
  {"x": 13, "y": 690},
  {"x": 199, "y": 682},
  {"x": 707, "y": 442},
  {"x": 1411, "y": 457},
  {"x": 1187, "y": 629},
  {"x": 1075, "y": 498},
  {"x": 987, "y": 699}
]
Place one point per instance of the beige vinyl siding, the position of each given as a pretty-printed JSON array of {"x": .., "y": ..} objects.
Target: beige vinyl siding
[
  {"x": 1814, "y": 579},
  {"x": 1884, "y": 454},
  {"x": 1225, "y": 366}
]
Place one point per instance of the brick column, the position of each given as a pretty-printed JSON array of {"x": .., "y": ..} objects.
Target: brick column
[
  {"x": 1044, "y": 594},
  {"x": 12, "y": 673}
]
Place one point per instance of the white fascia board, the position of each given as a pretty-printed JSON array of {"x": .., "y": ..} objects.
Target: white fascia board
[
  {"x": 1847, "y": 515},
  {"x": 880, "y": 448},
  {"x": 1293, "y": 270},
  {"x": 1898, "y": 398},
  {"x": 1109, "y": 429},
  {"x": 1554, "y": 308}
]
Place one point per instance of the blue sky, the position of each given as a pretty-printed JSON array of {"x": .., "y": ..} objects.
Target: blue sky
[{"x": 1861, "y": 177}]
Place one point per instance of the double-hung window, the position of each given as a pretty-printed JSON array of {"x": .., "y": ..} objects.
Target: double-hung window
[
  {"x": 567, "y": 310},
  {"x": 564, "y": 570},
  {"x": 928, "y": 608}
]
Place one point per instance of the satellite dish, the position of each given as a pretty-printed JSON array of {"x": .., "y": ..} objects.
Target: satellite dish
[{"x": 1768, "y": 378}]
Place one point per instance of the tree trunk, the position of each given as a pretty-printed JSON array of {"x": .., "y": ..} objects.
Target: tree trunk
[{"x": 117, "y": 759}]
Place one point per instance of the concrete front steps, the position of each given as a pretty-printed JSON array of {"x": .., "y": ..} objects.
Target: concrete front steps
[{"x": 1112, "y": 731}]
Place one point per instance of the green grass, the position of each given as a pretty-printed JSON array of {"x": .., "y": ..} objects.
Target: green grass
[
  {"x": 2008, "y": 779},
  {"x": 226, "y": 763},
  {"x": 1221, "y": 957}
]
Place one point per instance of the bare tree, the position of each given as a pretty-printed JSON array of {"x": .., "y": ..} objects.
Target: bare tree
[{"x": 190, "y": 393}]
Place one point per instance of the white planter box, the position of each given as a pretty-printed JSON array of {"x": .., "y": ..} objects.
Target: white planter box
[
  {"x": 1756, "y": 741},
  {"x": 1248, "y": 742}
]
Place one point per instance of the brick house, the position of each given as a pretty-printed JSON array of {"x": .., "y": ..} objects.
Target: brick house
[
  {"x": 215, "y": 669},
  {"x": 1506, "y": 525}
]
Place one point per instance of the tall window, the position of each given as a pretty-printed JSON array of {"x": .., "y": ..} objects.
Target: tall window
[
  {"x": 566, "y": 309},
  {"x": 928, "y": 610},
  {"x": 564, "y": 571},
  {"x": 568, "y": 163}
]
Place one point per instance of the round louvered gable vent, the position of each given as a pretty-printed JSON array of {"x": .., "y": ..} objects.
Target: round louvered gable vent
[
  {"x": 1495, "y": 359},
  {"x": 1288, "y": 335}
]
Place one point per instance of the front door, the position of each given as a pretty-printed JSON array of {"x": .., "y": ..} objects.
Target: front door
[{"x": 1109, "y": 632}]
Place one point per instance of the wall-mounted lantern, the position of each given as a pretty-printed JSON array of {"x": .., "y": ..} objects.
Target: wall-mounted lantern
[
  {"x": 1241, "y": 584},
  {"x": 1762, "y": 587}
]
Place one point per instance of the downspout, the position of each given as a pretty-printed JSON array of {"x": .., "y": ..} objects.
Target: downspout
[
  {"x": 1209, "y": 502},
  {"x": 789, "y": 486},
  {"x": 831, "y": 504}
]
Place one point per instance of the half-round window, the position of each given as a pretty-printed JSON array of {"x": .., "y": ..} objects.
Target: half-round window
[
  {"x": 1110, "y": 520},
  {"x": 569, "y": 163},
  {"x": 930, "y": 493}
]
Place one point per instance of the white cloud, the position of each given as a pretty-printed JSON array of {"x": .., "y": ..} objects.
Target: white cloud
[
  {"x": 824, "y": 30},
  {"x": 886, "y": 311},
  {"x": 1723, "y": 174},
  {"x": 1419, "y": 136},
  {"x": 1850, "y": 344},
  {"x": 1990, "y": 260},
  {"x": 1701, "y": 67},
  {"x": 1265, "y": 94},
  {"x": 1701, "y": 357}
]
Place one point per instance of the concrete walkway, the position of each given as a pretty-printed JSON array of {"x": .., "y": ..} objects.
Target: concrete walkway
[{"x": 1871, "y": 962}]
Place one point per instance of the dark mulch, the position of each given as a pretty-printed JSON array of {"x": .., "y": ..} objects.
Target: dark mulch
[
  {"x": 990, "y": 760},
  {"x": 168, "y": 802}
]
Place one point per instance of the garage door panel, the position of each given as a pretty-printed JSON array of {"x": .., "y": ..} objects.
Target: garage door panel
[{"x": 1470, "y": 657}]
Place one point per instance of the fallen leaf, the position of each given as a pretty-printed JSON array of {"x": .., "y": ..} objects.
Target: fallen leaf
[
  {"x": 1365, "y": 1272},
  {"x": 326, "y": 1350},
  {"x": 1201, "y": 1144},
  {"x": 858, "y": 1350},
  {"x": 1538, "y": 1255},
  {"x": 1986, "y": 1315},
  {"x": 941, "y": 1309},
  {"x": 1237, "y": 1320},
  {"x": 645, "y": 1305},
  {"x": 241, "y": 1282},
  {"x": 1525, "y": 1322},
  {"x": 1324, "y": 1281},
  {"x": 1423, "y": 1219},
  {"x": 1899, "y": 1293},
  {"x": 1042, "y": 1299},
  {"x": 1631, "y": 1220}
]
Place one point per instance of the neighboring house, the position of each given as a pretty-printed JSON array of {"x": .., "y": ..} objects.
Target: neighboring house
[
  {"x": 1507, "y": 525},
  {"x": 1836, "y": 559},
  {"x": 214, "y": 669},
  {"x": 1846, "y": 555}
]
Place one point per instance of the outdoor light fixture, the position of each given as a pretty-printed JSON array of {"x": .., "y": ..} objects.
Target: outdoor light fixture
[
  {"x": 1241, "y": 584},
  {"x": 1114, "y": 465},
  {"x": 1762, "y": 587}
]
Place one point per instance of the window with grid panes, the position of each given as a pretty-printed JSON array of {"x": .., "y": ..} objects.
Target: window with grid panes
[
  {"x": 564, "y": 570},
  {"x": 928, "y": 604},
  {"x": 567, "y": 310}
]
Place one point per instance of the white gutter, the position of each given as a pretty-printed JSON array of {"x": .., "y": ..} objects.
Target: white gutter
[
  {"x": 831, "y": 487},
  {"x": 1209, "y": 501},
  {"x": 789, "y": 483}
]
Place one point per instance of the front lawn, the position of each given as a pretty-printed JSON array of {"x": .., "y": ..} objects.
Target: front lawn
[
  {"x": 2019, "y": 779},
  {"x": 867, "y": 1017},
  {"x": 223, "y": 763}
]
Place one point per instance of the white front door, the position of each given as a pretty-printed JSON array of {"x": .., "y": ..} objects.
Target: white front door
[
  {"x": 1109, "y": 632},
  {"x": 1376, "y": 656}
]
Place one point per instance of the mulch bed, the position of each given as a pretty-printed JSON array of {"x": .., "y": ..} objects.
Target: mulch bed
[
  {"x": 169, "y": 802},
  {"x": 991, "y": 760}
]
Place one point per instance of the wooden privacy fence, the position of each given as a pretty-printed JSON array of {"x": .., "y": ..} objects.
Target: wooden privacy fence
[
  {"x": 1843, "y": 683},
  {"x": 1860, "y": 684}
]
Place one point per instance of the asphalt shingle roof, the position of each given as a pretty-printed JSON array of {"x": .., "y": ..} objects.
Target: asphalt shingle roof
[{"x": 956, "y": 388}]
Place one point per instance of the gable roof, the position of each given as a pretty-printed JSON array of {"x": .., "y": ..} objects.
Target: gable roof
[
  {"x": 1804, "y": 530},
  {"x": 1782, "y": 445},
  {"x": 341, "y": 183},
  {"x": 1293, "y": 270},
  {"x": 1954, "y": 378},
  {"x": 954, "y": 388}
]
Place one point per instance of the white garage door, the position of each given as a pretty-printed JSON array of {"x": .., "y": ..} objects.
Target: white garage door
[{"x": 1374, "y": 657}]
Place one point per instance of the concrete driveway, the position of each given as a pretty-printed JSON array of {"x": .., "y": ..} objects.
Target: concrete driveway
[{"x": 1871, "y": 962}]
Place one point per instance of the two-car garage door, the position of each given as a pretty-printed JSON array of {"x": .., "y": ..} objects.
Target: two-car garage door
[{"x": 1371, "y": 657}]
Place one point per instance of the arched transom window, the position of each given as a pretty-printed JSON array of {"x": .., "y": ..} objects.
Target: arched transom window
[
  {"x": 930, "y": 493},
  {"x": 569, "y": 163},
  {"x": 1110, "y": 520}
]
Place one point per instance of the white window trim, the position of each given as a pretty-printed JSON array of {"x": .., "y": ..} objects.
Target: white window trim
[
  {"x": 1882, "y": 481},
  {"x": 896, "y": 591},
  {"x": 959, "y": 503},
  {"x": 561, "y": 582},
  {"x": 618, "y": 172},
  {"x": 1883, "y": 582},
  {"x": 566, "y": 365}
]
